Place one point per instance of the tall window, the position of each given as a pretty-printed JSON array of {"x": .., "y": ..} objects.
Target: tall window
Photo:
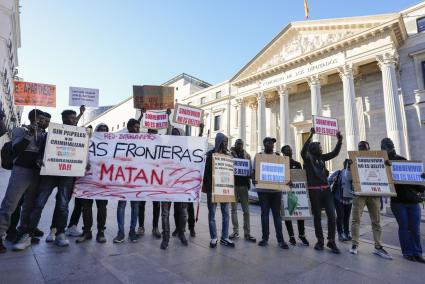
[
  {"x": 423, "y": 71},
  {"x": 218, "y": 95},
  {"x": 217, "y": 121},
  {"x": 421, "y": 24},
  {"x": 203, "y": 100}
]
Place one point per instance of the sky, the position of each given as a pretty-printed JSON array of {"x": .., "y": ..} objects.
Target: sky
[{"x": 112, "y": 45}]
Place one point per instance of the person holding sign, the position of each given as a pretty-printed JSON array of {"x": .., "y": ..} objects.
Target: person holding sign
[
  {"x": 319, "y": 190},
  {"x": 406, "y": 209},
  {"x": 220, "y": 147},
  {"x": 270, "y": 200},
  {"x": 287, "y": 151},
  {"x": 242, "y": 184}
]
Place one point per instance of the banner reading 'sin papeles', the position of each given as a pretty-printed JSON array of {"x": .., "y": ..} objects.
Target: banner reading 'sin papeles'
[
  {"x": 141, "y": 166},
  {"x": 34, "y": 94}
]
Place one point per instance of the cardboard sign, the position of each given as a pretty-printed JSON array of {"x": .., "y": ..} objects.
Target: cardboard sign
[
  {"x": 325, "y": 125},
  {"x": 142, "y": 166},
  {"x": 299, "y": 187},
  {"x": 271, "y": 171},
  {"x": 66, "y": 151},
  {"x": 223, "y": 179},
  {"x": 153, "y": 97},
  {"x": 83, "y": 96},
  {"x": 407, "y": 172},
  {"x": 188, "y": 115},
  {"x": 34, "y": 94},
  {"x": 155, "y": 120},
  {"x": 242, "y": 167},
  {"x": 371, "y": 177}
]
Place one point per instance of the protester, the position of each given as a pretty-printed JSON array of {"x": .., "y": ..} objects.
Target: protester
[
  {"x": 3, "y": 128},
  {"x": 133, "y": 126},
  {"x": 242, "y": 185},
  {"x": 88, "y": 212},
  {"x": 373, "y": 207},
  {"x": 220, "y": 147},
  {"x": 24, "y": 178},
  {"x": 293, "y": 165},
  {"x": 342, "y": 189},
  {"x": 319, "y": 190},
  {"x": 270, "y": 200},
  {"x": 406, "y": 209}
]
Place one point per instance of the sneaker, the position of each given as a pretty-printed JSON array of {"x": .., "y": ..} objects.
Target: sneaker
[
  {"x": 213, "y": 243},
  {"x": 38, "y": 233},
  {"x": 174, "y": 234},
  {"x": 333, "y": 247},
  {"x": 183, "y": 239},
  {"x": 164, "y": 244},
  {"x": 353, "y": 249},
  {"x": 23, "y": 243},
  {"x": 119, "y": 238},
  {"x": 3, "y": 249},
  {"x": 262, "y": 243},
  {"x": 141, "y": 231},
  {"x": 192, "y": 233},
  {"x": 409, "y": 258},
  {"x": 319, "y": 246},
  {"x": 234, "y": 236},
  {"x": 250, "y": 238},
  {"x": 304, "y": 241},
  {"x": 73, "y": 231},
  {"x": 292, "y": 241},
  {"x": 51, "y": 237},
  {"x": 100, "y": 237},
  {"x": 156, "y": 233},
  {"x": 348, "y": 237},
  {"x": 341, "y": 237},
  {"x": 84, "y": 237},
  {"x": 379, "y": 251},
  {"x": 283, "y": 245},
  {"x": 419, "y": 258},
  {"x": 12, "y": 237},
  {"x": 227, "y": 242},
  {"x": 132, "y": 236},
  {"x": 61, "y": 240}
]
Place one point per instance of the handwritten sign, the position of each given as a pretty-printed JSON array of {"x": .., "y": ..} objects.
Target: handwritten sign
[
  {"x": 34, "y": 94},
  {"x": 242, "y": 167},
  {"x": 223, "y": 179},
  {"x": 407, "y": 172},
  {"x": 142, "y": 166},
  {"x": 185, "y": 114},
  {"x": 271, "y": 171},
  {"x": 325, "y": 125},
  {"x": 153, "y": 97},
  {"x": 83, "y": 96},
  {"x": 155, "y": 120},
  {"x": 299, "y": 187},
  {"x": 66, "y": 151},
  {"x": 371, "y": 177}
]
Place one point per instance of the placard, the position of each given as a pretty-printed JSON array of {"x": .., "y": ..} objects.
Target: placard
[
  {"x": 66, "y": 151},
  {"x": 143, "y": 166},
  {"x": 155, "y": 120},
  {"x": 325, "y": 125},
  {"x": 407, "y": 172},
  {"x": 299, "y": 187},
  {"x": 34, "y": 94},
  {"x": 153, "y": 97},
  {"x": 223, "y": 179},
  {"x": 371, "y": 177},
  {"x": 271, "y": 171},
  {"x": 83, "y": 96},
  {"x": 188, "y": 115},
  {"x": 242, "y": 167}
]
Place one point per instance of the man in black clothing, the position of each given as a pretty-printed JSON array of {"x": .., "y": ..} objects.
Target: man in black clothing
[
  {"x": 318, "y": 187},
  {"x": 287, "y": 151}
]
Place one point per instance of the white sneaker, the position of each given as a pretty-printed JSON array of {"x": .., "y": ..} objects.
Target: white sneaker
[
  {"x": 73, "y": 231},
  {"x": 61, "y": 240},
  {"x": 23, "y": 243},
  {"x": 52, "y": 236}
]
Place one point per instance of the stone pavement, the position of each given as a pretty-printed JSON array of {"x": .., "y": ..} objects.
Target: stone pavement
[{"x": 144, "y": 262}]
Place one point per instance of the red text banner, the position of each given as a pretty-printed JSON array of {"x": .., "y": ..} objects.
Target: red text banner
[
  {"x": 34, "y": 94},
  {"x": 325, "y": 125},
  {"x": 185, "y": 114},
  {"x": 155, "y": 120}
]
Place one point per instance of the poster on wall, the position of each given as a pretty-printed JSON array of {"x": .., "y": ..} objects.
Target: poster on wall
[
  {"x": 188, "y": 115},
  {"x": 153, "y": 97},
  {"x": 155, "y": 120},
  {"x": 271, "y": 171},
  {"x": 371, "y": 176},
  {"x": 66, "y": 151},
  {"x": 407, "y": 172},
  {"x": 83, "y": 96},
  {"x": 223, "y": 179},
  {"x": 325, "y": 125},
  {"x": 296, "y": 201},
  {"x": 34, "y": 94}
]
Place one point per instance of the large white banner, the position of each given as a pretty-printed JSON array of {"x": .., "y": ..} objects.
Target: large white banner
[
  {"x": 83, "y": 96},
  {"x": 142, "y": 166},
  {"x": 66, "y": 151}
]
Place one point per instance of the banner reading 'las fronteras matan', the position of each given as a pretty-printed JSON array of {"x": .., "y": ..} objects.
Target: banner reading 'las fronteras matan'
[{"x": 34, "y": 94}]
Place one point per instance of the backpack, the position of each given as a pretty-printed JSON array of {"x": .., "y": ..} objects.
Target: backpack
[{"x": 7, "y": 156}]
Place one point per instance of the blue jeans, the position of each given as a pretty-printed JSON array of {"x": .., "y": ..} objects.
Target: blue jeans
[
  {"x": 408, "y": 217},
  {"x": 211, "y": 218},
  {"x": 47, "y": 184},
  {"x": 121, "y": 215}
]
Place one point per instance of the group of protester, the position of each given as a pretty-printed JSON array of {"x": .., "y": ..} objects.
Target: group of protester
[{"x": 27, "y": 194}]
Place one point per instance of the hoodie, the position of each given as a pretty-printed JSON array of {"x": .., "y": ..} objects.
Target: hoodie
[{"x": 207, "y": 183}]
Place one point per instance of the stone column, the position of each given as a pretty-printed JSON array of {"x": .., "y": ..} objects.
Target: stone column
[
  {"x": 316, "y": 98},
  {"x": 261, "y": 110},
  {"x": 254, "y": 128},
  {"x": 350, "y": 112},
  {"x": 242, "y": 119},
  {"x": 284, "y": 114},
  {"x": 393, "y": 116}
]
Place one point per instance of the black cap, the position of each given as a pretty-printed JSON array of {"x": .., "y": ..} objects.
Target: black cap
[{"x": 269, "y": 139}]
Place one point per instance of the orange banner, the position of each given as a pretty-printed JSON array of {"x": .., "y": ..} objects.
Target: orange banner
[{"x": 34, "y": 94}]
